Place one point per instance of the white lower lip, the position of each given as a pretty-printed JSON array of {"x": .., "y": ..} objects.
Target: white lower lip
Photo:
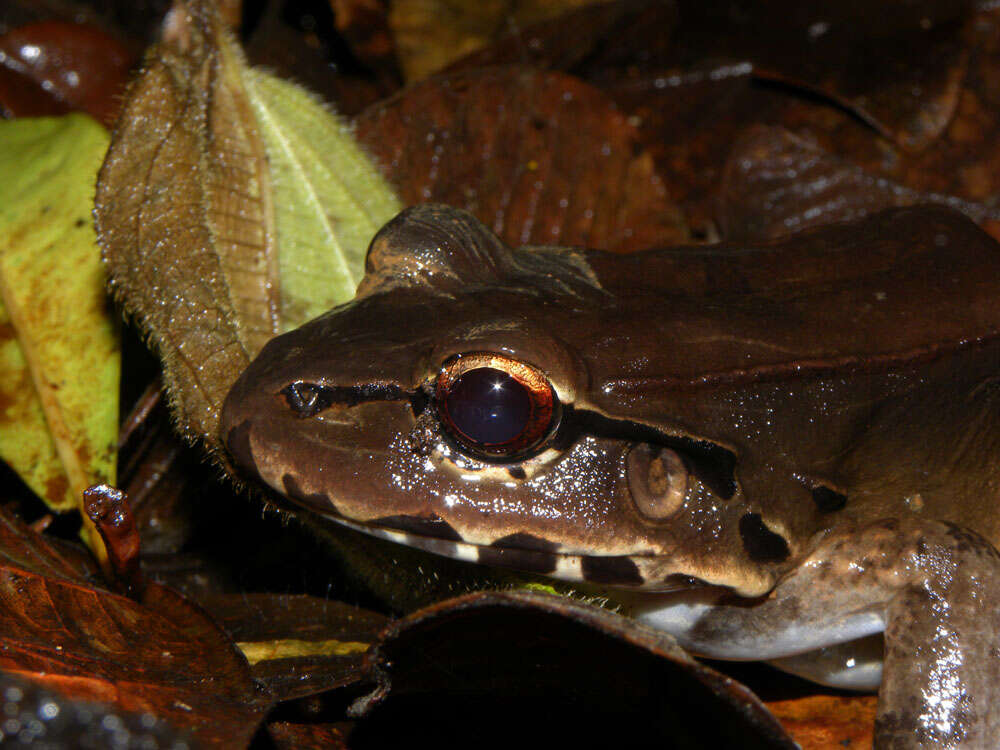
[{"x": 568, "y": 567}]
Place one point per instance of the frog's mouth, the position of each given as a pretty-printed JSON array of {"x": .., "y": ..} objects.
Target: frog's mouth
[{"x": 616, "y": 571}]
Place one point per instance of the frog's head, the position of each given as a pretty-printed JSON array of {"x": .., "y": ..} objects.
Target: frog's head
[{"x": 464, "y": 403}]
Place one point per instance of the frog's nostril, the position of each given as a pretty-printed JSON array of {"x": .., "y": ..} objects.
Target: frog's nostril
[
  {"x": 657, "y": 479},
  {"x": 307, "y": 399}
]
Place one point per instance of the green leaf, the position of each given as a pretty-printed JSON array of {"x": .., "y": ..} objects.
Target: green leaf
[
  {"x": 59, "y": 345},
  {"x": 329, "y": 199}
]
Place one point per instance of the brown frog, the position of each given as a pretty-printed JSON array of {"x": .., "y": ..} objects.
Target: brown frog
[{"x": 777, "y": 451}]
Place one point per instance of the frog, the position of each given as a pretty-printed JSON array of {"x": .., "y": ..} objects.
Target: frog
[{"x": 784, "y": 451}]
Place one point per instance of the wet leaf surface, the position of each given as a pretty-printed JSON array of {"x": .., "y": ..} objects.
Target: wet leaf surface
[
  {"x": 776, "y": 183},
  {"x": 964, "y": 161},
  {"x": 719, "y": 67},
  {"x": 59, "y": 358},
  {"x": 290, "y": 736},
  {"x": 525, "y": 651},
  {"x": 133, "y": 22},
  {"x": 541, "y": 158},
  {"x": 38, "y": 718},
  {"x": 21, "y": 96},
  {"x": 79, "y": 66},
  {"x": 162, "y": 656},
  {"x": 902, "y": 78},
  {"x": 606, "y": 38}
]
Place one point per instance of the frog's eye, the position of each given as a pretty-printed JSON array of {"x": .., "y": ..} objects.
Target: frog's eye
[{"x": 495, "y": 406}]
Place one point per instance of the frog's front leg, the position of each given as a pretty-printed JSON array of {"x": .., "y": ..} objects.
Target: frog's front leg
[{"x": 932, "y": 587}]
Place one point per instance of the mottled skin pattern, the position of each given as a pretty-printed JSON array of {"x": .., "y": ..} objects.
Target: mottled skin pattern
[{"x": 830, "y": 405}]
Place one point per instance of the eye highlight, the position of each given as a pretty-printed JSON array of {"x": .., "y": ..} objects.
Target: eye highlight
[{"x": 497, "y": 407}]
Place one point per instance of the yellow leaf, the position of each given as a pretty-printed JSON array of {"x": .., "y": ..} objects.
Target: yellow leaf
[
  {"x": 59, "y": 345},
  {"x": 291, "y": 648}
]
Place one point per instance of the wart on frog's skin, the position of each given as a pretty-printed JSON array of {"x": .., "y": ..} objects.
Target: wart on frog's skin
[{"x": 736, "y": 419}]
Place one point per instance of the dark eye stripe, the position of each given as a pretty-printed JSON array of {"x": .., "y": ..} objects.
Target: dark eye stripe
[
  {"x": 308, "y": 399},
  {"x": 714, "y": 465}
]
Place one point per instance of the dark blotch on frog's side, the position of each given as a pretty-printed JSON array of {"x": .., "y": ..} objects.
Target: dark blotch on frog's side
[
  {"x": 760, "y": 542},
  {"x": 537, "y": 561},
  {"x": 828, "y": 500},
  {"x": 526, "y": 541},
  {"x": 614, "y": 571}
]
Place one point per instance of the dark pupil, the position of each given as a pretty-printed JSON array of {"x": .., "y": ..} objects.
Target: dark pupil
[{"x": 488, "y": 406}]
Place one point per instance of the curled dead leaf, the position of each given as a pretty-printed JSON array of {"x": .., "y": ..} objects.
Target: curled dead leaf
[
  {"x": 162, "y": 655},
  {"x": 224, "y": 197}
]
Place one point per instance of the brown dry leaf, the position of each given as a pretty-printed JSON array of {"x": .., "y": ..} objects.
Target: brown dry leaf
[
  {"x": 185, "y": 214},
  {"x": 214, "y": 164},
  {"x": 364, "y": 25},
  {"x": 902, "y": 78},
  {"x": 540, "y": 157},
  {"x": 162, "y": 656},
  {"x": 776, "y": 183},
  {"x": 430, "y": 34},
  {"x": 532, "y": 655},
  {"x": 299, "y": 44},
  {"x": 606, "y": 37},
  {"x": 828, "y": 722},
  {"x": 289, "y": 736},
  {"x": 691, "y": 83},
  {"x": 964, "y": 161}
]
